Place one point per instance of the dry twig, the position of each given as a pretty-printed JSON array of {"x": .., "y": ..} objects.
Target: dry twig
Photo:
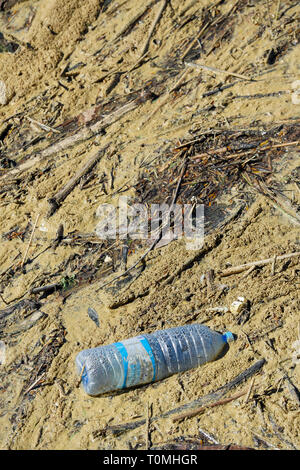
[
  {"x": 247, "y": 272},
  {"x": 166, "y": 97},
  {"x": 3, "y": 300},
  {"x": 155, "y": 22},
  {"x": 214, "y": 70},
  {"x": 201, "y": 409},
  {"x": 249, "y": 390},
  {"x": 29, "y": 243},
  {"x": 147, "y": 427},
  {"x": 35, "y": 383},
  {"x": 59, "y": 197},
  {"x": 80, "y": 376},
  {"x": 43, "y": 126},
  {"x": 217, "y": 395},
  {"x": 157, "y": 239},
  {"x": 243, "y": 267},
  {"x": 273, "y": 266}
]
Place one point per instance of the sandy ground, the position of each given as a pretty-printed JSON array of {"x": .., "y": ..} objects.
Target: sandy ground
[{"x": 42, "y": 340}]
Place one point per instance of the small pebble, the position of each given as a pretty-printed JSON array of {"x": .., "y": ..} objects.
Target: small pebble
[{"x": 93, "y": 315}]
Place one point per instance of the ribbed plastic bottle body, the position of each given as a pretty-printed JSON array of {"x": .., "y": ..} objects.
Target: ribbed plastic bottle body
[
  {"x": 183, "y": 348},
  {"x": 148, "y": 358}
]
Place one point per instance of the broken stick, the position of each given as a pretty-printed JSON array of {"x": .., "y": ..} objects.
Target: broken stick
[
  {"x": 56, "y": 200},
  {"x": 47, "y": 288},
  {"x": 155, "y": 22},
  {"x": 156, "y": 240},
  {"x": 214, "y": 70},
  {"x": 196, "y": 411},
  {"x": 166, "y": 97},
  {"x": 29, "y": 243},
  {"x": 243, "y": 267},
  {"x": 217, "y": 395},
  {"x": 273, "y": 266},
  {"x": 43, "y": 126},
  {"x": 85, "y": 133},
  {"x": 35, "y": 383}
]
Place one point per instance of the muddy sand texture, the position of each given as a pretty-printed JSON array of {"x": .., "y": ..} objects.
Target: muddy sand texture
[{"x": 90, "y": 72}]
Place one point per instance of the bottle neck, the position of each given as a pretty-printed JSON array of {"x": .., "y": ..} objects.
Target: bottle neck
[{"x": 228, "y": 337}]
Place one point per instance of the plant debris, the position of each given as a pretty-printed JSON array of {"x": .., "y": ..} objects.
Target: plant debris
[{"x": 175, "y": 103}]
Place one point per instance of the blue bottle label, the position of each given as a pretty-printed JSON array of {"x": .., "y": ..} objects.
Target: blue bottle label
[{"x": 138, "y": 361}]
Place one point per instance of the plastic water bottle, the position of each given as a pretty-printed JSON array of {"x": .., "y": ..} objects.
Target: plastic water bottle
[{"x": 149, "y": 358}]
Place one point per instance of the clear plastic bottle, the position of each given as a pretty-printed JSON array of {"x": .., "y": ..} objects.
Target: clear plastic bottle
[{"x": 148, "y": 358}]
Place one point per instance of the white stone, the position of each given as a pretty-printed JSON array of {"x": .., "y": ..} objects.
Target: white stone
[
  {"x": 238, "y": 305},
  {"x": 2, "y": 352},
  {"x": 3, "y": 93},
  {"x": 43, "y": 227}
]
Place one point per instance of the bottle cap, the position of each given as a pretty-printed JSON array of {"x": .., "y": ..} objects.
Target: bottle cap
[{"x": 228, "y": 337}]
